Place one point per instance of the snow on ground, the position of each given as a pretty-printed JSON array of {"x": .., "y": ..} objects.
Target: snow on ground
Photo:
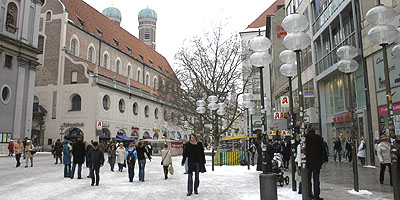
[{"x": 360, "y": 193}]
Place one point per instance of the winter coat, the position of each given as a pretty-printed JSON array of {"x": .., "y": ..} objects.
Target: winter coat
[
  {"x": 66, "y": 155},
  {"x": 140, "y": 153},
  {"x": 362, "y": 150},
  {"x": 112, "y": 156},
  {"x": 194, "y": 154},
  {"x": 287, "y": 150},
  {"x": 88, "y": 148},
  {"x": 166, "y": 157},
  {"x": 18, "y": 148},
  {"x": 95, "y": 158},
  {"x": 299, "y": 155},
  {"x": 337, "y": 146},
  {"x": 78, "y": 151},
  {"x": 11, "y": 146},
  {"x": 315, "y": 151},
  {"x": 58, "y": 148},
  {"x": 29, "y": 149},
  {"x": 383, "y": 151},
  {"x": 131, "y": 149},
  {"x": 121, "y": 152}
]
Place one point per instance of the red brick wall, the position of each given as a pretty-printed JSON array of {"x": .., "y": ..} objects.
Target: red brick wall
[{"x": 69, "y": 68}]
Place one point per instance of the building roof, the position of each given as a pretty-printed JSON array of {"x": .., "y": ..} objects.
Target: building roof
[
  {"x": 89, "y": 19},
  {"x": 262, "y": 19},
  {"x": 112, "y": 12},
  {"x": 147, "y": 13}
]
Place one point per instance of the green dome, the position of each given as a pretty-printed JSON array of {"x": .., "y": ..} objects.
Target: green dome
[
  {"x": 112, "y": 12},
  {"x": 147, "y": 13}
]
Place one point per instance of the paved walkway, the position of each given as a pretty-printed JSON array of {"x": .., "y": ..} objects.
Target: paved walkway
[{"x": 45, "y": 181}]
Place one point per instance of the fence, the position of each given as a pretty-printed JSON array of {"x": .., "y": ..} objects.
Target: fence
[{"x": 230, "y": 158}]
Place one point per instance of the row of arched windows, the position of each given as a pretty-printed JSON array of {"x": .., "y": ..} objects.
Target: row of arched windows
[{"x": 74, "y": 50}]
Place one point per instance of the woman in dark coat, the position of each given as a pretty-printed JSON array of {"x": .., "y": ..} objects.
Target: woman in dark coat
[
  {"x": 78, "y": 153},
  {"x": 194, "y": 152},
  {"x": 112, "y": 155},
  {"x": 88, "y": 146}
]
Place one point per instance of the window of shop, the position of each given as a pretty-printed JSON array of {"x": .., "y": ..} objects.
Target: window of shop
[
  {"x": 106, "y": 102},
  {"x": 146, "y": 111},
  {"x": 121, "y": 105}
]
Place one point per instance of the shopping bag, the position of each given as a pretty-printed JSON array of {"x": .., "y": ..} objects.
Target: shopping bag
[{"x": 171, "y": 169}]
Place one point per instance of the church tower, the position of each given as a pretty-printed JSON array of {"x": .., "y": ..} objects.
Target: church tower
[
  {"x": 147, "y": 27},
  {"x": 113, "y": 14}
]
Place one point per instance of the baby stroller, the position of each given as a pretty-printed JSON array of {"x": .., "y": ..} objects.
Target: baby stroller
[{"x": 277, "y": 167}]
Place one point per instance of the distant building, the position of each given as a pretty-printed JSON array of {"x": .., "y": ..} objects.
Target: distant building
[
  {"x": 19, "y": 28},
  {"x": 97, "y": 80}
]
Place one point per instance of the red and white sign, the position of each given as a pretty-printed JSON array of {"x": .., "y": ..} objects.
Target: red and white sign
[
  {"x": 284, "y": 102},
  {"x": 383, "y": 109},
  {"x": 99, "y": 125},
  {"x": 285, "y": 132},
  {"x": 279, "y": 115},
  {"x": 340, "y": 119}
]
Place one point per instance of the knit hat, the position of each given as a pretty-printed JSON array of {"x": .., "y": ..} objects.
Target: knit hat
[
  {"x": 95, "y": 144},
  {"x": 384, "y": 137}
]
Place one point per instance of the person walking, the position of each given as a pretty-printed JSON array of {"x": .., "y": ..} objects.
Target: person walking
[
  {"x": 29, "y": 148},
  {"x": 287, "y": 152},
  {"x": 253, "y": 149},
  {"x": 315, "y": 157},
  {"x": 78, "y": 153},
  {"x": 131, "y": 157},
  {"x": 18, "y": 149},
  {"x": 112, "y": 156},
  {"x": 58, "y": 151},
  {"x": 121, "y": 153},
  {"x": 166, "y": 160},
  {"x": 195, "y": 155},
  {"x": 383, "y": 151},
  {"x": 337, "y": 148},
  {"x": 11, "y": 148},
  {"x": 88, "y": 147},
  {"x": 96, "y": 160},
  {"x": 362, "y": 152},
  {"x": 183, "y": 153},
  {"x": 349, "y": 148},
  {"x": 67, "y": 154},
  {"x": 141, "y": 150}
]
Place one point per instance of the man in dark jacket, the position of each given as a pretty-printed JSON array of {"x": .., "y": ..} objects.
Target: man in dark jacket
[
  {"x": 315, "y": 157},
  {"x": 141, "y": 150},
  {"x": 95, "y": 160},
  {"x": 58, "y": 151},
  {"x": 78, "y": 152}
]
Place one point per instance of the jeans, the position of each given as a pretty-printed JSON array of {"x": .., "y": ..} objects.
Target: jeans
[
  {"x": 337, "y": 153},
  {"x": 92, "y": 173},
  {"x": 165, "y": 171},
  {"x": 79, "y": 170},
  {"x": 315, "y": 176},
  {"x": 112, "y": 167},
  {"x": 142, "y": 164},
  {"x": 131, "y": 171},
  {"x": 67, "y": 170},
  {"x": 382, "y": 173},
  {"x": 362, "y": 159},
  {"x": 196, "y": 178},
  {"x": 24, "y": 153},
  {"x": 120, "y": 167},
  {"x": 18, "y": 157}
]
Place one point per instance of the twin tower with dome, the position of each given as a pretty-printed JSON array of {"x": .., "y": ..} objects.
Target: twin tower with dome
[{"x": 147, "y": 23}]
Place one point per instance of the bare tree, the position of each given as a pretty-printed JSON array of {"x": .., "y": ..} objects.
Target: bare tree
[{"x": 210, "y": 65}]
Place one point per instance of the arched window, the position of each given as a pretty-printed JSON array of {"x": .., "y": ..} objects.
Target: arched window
[
  {"x": 76, "y": 103},
  {"x": 72, "y": 49},
  {"x": 138, "y": 75},
  {"x": 48, "y": 16},
  {"x": 146, "y": 111},
  {"x": 121, "y": 105},
  {"x": 129, "y": 71},
  {"x": 155, "y": 82},
  {"x": 117, "y": 64},
  {"x": 90, "y": 54},
  {"x": 105, "y": 60},
  {"x": 147, "y": 79},
  {"x": 156, "y": 113}
]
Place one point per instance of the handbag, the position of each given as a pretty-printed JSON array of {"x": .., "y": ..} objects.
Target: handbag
[
  {"x": 202, "y": 168},
  {"x": 33, "y": 152},
  {"x": 162, "y": 161},
  {"x": 171, "y": 169}
]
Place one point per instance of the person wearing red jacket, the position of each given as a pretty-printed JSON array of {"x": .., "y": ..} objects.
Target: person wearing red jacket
[{"x": 10, "y": 148}]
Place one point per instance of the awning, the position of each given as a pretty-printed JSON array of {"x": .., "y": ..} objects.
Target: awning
[{"x": 123, "y": 137}]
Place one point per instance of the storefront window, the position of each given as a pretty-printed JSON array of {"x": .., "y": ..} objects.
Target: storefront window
[
  {"x": 338, "y": 93},
  {"x": 329, "y": 98}
]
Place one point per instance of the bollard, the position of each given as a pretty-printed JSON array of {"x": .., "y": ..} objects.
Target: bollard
[{"x": 268, "y": 190}]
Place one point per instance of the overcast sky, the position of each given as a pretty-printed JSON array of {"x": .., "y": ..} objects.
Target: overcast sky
[{"x": 178, "y": 20}]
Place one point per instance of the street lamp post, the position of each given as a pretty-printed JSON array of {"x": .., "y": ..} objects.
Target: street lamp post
[
  {"x": 296, "y": 40},
  {"x": 212, "y": 106},
  {"x": 347, "y": 65},
  {"x": 383, "y": 34},
  {"x": 249, "y": 105},
  {"x": 289, "y": 70},
  {"x": 260, "y": 58}
]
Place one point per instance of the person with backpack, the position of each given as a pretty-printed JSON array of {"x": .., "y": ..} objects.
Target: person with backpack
[
  {"x": 141, "y": 150},
  {"x": 131, "y": 156},
  {"x": 166, "y": 160}
]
